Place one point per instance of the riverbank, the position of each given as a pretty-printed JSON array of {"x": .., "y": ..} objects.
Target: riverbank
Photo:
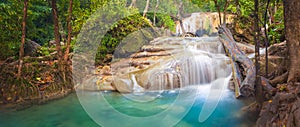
[
  {"x": 283, "y": 108},
  {"x": 39, "y": 83},
  {"x": 36, "y": 101}
]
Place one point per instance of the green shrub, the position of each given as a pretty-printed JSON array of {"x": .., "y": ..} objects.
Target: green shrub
[
  {"x": 162, "y": 20},
  {"x": 118, "y": 32}
]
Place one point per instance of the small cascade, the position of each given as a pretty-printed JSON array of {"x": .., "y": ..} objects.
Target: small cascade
[
  {"x": 136, "y": 87},
  {"x": 194, "y": 66},
  {"x": 170, "y": 63}
]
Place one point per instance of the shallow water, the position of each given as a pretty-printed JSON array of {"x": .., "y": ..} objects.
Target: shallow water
[{"x": 68, "y": 111}]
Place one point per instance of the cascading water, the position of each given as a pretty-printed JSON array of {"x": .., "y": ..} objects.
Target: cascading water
[
  {"x": 189, "y": 67},
  {"x": 164, "y": 81},
  {"x": 190, "y": 61}
]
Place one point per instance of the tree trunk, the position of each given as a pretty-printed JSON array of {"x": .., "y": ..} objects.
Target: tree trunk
[
  {"x": 146, "y": 8},
  {"x": 259, "y": 92},
  {"x": 21, "y": 53},
  {"x": 57, "y": 38},
  {"x": 224, "y": 11},
  {"x": 56, "y": 30},
  {"x": 69, "y": 32},
  {"x": 266, "y": 38},
  {"x": 62, "y": 32},
  {"x": 292, "y": 34},
  {"x": 133, "y": 3},
  {"x": 219, "y": 10}
]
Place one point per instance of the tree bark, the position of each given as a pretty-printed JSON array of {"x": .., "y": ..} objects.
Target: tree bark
[
  {"x": 224, "y": 11},
  {"x": 69, "y": 32},
  {"x": 292, "y": 34},
  {"x": 219, "y": 10},
  {"x": 63, "y": 37},
  {"x": 237, "y": 55},
  {"x": 133, "y": 3},
  {"x": 56, "y": 30},
  {"x": 258, "y": 86},
  {"x": 146, "y": 8},
  {"x": 57, "y": 40},
  {"x": 21, "y": 53},
  {"x": 266, "y": 37}
]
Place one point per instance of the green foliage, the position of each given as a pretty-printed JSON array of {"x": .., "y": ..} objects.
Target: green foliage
[
  {"x": 276, "y": 30},
  {"x": 8, "y": 49},
  {"x": 44, "y": 51},
  {"x": 276, "y": 33},
  {"x": 39, "y": 22},
  {"x": 162, "y": 20},
  {"x": 100, "y": 24},
  {"x": 10, "y": 27},
  {"x": 247, "y": 7},
  {"x": 118, "y": 32}
]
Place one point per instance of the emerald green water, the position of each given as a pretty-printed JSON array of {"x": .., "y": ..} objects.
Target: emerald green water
[{"x": 68, "y": 112}]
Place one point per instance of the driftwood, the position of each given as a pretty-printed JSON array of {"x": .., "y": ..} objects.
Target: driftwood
[{"x": 246, "y": 86}]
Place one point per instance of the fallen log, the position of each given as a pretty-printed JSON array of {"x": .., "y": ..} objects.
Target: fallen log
[
  {"x": 247, "y": 86},
  {"x": 236, "y": 75},
  {"x": 236, "y": 78}
]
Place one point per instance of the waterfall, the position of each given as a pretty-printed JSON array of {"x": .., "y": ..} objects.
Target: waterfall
[
  {"x": 189, "y": 61},
  {"x": 196, "y": 64}
]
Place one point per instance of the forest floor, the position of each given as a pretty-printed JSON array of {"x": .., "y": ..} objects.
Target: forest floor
[
  {"x": 282, "y": 108},
  {"x": 40, "y": 82}
]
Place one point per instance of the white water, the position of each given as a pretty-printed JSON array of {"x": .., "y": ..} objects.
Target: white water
[{"x": 200, "y": 61}]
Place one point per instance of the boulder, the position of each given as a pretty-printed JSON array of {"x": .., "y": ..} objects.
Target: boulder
[{"x": 31, "y": 48}]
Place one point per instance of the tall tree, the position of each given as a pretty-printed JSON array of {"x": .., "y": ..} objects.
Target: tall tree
[
  {"x": 219, "y": 10},
  {"x": 69, "y": 32},
  {"x": 146, "y": 8},
  {"x": 266, "y": 37},
  {"x": 258, "y": 86},
  {"x": 292, "y": 34},
  {"x": 57, "y": 35},
  {"x": 21, "y": 53}
]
